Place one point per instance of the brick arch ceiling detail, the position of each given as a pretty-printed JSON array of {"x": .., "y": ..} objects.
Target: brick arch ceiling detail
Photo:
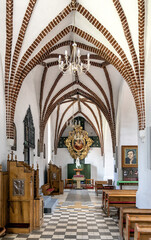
[
  {"x": 123, "y": 67},
  {"x": 13, "y": 106},
  {"x": 42, "y": 113}
]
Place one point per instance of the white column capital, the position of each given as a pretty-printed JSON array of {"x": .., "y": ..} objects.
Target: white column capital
[
  {"x": 142, "y": 135},
  {"x": 10, "y": 142}
]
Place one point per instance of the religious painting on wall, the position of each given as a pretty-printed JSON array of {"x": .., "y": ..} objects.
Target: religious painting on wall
[
  {"x": 78, "y": 144},
  {"x": 129, "y": 156},
  {"x": 130, "y": 174}
]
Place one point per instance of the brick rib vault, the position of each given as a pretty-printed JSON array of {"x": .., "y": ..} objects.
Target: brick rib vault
[{"x": 18, "y": 65}]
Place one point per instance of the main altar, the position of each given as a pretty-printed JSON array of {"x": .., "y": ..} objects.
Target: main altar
[
  {"x": 78, "y": 144},
  {"x": 78, "y": 177}
]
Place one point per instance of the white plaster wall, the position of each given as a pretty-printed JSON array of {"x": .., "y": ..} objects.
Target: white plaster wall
[
  {"x": 3, "y": 30},
  {"x": 127, "y": 123},
  {"x": 3, "y": 143},
  {"x": 108, "y": 154},
  {"x": 28, "y": 96},
  {"x": 94, "y": 158}
]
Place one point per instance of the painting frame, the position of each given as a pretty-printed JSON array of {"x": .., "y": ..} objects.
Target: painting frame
[{"x": 130, "y": 156}]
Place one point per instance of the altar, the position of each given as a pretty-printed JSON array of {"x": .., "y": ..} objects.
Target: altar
[{"x": 78, "y": 177}]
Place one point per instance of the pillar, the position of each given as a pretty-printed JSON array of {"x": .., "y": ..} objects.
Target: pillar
[
  {"x": 143, "y": 196},
  {"x": 3, "y": 139}
]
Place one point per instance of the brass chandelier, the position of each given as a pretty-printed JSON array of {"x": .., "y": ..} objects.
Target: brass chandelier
[{"x": 73, "y": 64}]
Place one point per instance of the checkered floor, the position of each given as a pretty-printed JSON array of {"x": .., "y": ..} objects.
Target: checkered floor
[{"x": 74, "y": 220}]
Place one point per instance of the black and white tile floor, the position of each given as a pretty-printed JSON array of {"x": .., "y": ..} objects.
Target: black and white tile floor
[{"x": 74, "y": 220}]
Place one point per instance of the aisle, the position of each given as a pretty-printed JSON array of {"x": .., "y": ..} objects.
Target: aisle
[{"x": 75, "y": 220}]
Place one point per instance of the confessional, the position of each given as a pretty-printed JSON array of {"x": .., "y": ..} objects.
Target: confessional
[
  {"x": 54, "y": 179},
  {"x": 22, "y": 209}
]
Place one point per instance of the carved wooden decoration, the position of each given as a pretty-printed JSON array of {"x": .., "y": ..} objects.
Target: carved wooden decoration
[
  {"x": 78, "y": 143},
  {"x": 18, "y": 187}
]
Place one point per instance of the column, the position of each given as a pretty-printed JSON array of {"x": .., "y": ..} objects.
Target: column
[
  {"x": 143, "y": 196},
  {"x": 3, "y": 144}
]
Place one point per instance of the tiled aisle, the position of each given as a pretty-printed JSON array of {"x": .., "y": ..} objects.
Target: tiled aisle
[{"x": 75, "y": 220}]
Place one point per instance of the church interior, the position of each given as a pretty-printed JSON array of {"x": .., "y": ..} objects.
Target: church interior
[{"x": 75, "y": 119}]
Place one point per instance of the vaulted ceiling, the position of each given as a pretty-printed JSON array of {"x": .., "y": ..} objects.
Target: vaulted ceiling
[{"x": 37, "y": 32}]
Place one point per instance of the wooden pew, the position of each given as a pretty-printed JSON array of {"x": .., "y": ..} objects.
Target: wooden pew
[
  {"x": 116, "y": 191},
  {"x": 99, "y": 186},
  {"x": 54, "y": 178},
  {"x": 69, "y": 183},
  {"x": 131, "y": 211},
  {"x": 46, "y": 189},
  {"x": 130, "y": 223},
  {"x": 104, "y": 195},
  {"x": 119, "y": 198},
  {"x": 89, "y": 183},
  {"x": 142, "y": 232}
]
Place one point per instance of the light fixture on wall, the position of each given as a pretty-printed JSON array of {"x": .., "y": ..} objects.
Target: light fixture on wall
[{"x": 73, "y": 64}]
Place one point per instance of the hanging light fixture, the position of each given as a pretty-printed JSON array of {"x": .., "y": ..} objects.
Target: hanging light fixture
[{"x": 73, "y": 64}]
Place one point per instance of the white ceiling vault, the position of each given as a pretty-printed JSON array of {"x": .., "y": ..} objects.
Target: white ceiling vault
[{"x": 37, "y": 32}]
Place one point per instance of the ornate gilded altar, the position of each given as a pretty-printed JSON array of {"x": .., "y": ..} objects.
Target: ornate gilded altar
[{"x": 78, "y": 143}]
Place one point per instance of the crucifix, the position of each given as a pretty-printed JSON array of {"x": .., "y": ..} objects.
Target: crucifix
[{"x": 12, "y": 155}]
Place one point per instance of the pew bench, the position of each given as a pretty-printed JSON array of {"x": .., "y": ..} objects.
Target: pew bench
[
  {"x": 130, "y": 211},
  {"x": 104, "y": 195},
  {"x": 130, "y": 224},
  {"x": 46, "y": 189},
  {"x": 99, "y": 186},
  {"x": 142, "y": 232},
  {"x": 69, "y": 183},
  {"x": 89, "y": 183},
  {"x": 118, "y": 198}
]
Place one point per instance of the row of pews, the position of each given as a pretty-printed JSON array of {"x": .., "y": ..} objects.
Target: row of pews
[{"x": 133, "y": 222}]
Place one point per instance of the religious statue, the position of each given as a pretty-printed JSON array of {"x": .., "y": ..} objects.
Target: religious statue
[{"x": 78, "y": 165}]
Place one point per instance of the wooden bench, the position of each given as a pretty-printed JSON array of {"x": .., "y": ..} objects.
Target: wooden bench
[
  {"x": 89, "y": 183},
  {"x": 99, "y": 185},
  {"x": 104, "y": 196},
  {"x": 46, "y": 190},
  {"x": 130, "y": 223},
  {"x": 114, "y": 191},
  {"x": 127, "y": 183},
  {"x": 118, "y": 198},
  {"x": 130, "y": 211},
  {"x": 142, "y": 232},
  {"x": 69, "y": 183}
]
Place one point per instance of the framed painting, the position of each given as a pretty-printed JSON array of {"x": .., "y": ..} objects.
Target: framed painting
[{"x": 129, "y": 156}]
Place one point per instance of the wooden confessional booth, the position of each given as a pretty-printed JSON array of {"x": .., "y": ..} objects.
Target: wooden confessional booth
[
  {"x": 54, "y": 178},
  {"x": 21, "y": 206}
]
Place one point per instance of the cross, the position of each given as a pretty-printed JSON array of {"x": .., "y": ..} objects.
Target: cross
[{"x": 12, "y": 155}]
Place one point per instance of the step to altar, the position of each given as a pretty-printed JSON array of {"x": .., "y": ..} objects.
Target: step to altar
[{"x": 49, "y": 204}]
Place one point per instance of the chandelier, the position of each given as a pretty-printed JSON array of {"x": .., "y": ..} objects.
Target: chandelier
[{"x": 72, "y": 64}]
